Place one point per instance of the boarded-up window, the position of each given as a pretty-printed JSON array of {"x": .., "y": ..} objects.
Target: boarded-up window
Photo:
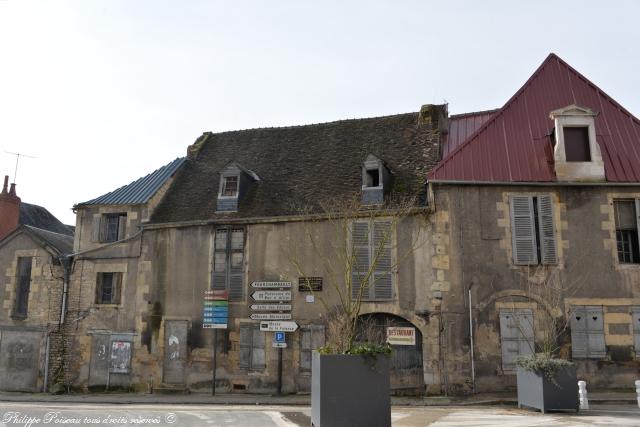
[
  {"x": 120, "y": 360},
  {"x": 576, "y": 144},
  {"x": 533, "y": 230},
  {"x": 311, "y": 338},
  {"x": 635, "y": 313},
  {"x": 626, "y": 218},
  {"x": 108, "y": 288},
  {"x": 587, "y": 332},
  {"x": 252, "y": 352},
  {"x": 228, "y": 261},
  {"x": 371, "y": 270},
  {"x": 516, "y": 336},
  {"x": 23, "y": 286},
  {"x": 109, "y": 227}
]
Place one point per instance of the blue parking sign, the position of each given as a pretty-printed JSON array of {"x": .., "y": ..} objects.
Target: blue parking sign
[{"x": 279, "y": 337}]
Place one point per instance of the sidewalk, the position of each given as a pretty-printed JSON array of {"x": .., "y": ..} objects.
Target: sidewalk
[{"x": 287, "y": 400}]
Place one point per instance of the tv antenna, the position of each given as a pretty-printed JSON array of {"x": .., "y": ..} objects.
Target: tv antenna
[{"x": 18, "y": 155}]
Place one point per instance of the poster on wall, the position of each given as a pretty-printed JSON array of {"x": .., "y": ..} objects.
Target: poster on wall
[
  {"x": 401, "y": 336},
  {"x": 120, "y": 357}
]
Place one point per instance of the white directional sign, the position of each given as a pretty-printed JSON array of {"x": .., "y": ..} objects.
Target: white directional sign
[
  {"x": 271, "y": 307},
  {"x": 271, "y": 284},
  {"x": 271, "y": 296},
  {"x": 278, "y": 326},
  {"x": 271, "y": 316},
  {"x": 279, "y": 345}
]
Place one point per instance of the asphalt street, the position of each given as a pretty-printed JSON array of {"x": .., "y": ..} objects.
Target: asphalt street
[{"x": 79, "y": 414}]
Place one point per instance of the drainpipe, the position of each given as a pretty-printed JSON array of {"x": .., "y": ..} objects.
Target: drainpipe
[
  {"x": 45, "y": 387},
  {"x": 66, "y": 266},
  {"x": 473, "y": 362}
]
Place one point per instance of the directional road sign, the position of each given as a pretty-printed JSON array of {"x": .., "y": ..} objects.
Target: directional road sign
[
  {"x": 271, "y": 284},
  {"x": 271, "y": 296},
  {"x": 279, "y": 345},
  {"x": 270, "y": 316},
  {"x": 278, "y": 326},
  {"x": 271, "y": 307}
]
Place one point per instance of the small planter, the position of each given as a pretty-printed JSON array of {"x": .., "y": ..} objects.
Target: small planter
[
  {"x": 350, "y": 391},
  {"x": 535, "y": 390}
]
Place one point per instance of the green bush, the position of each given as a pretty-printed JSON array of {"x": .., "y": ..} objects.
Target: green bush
[
  {"x": 361, "y": 349},
  {"x": 543, "y": 363}
]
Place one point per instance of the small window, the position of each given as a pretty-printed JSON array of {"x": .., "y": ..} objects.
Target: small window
[
  {"x": 625, "y": 212},
  {"x": 230, "y": 186},
  {"x": 311, "y": 338},
  {"x": 252, "y": 353},
  {"x": 373, "y": 178},
  {"x": 533, "y": 230},
  {"x": 23, "y": 286},
  {"x": 109, "y": 228},
  {"x": 108, "y": 288},
  {"x": 576, "y": 144}
]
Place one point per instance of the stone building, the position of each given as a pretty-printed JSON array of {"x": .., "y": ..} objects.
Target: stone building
[
  {"x": 541, "y": 201},
  {"x": 33, "y": 250}
]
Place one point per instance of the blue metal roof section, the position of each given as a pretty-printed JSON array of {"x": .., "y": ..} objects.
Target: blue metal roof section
[{"x": 140, "y": 190}]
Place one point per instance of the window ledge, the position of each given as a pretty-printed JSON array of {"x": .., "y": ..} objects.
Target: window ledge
[
  {"x": 107, "y": 305},
  {"x": 19, "y": 317}
]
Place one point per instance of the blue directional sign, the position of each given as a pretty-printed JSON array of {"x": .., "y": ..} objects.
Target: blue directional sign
[{"x": 279, "y": 337}]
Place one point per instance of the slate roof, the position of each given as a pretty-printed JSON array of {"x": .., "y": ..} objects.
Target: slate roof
[
  {"x": 140, "y": 190},
  {"x": 514, "y": 144},
  {"x": 39, "y": 217},
  {"x": 300, "y": 165},
  {"x": 61, "y": 243}
]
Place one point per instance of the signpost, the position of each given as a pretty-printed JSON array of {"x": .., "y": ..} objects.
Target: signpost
[
  {"x": 277, "y": 326},
  {"x": 215, "y": 315},
  {"x": 271, "y": 284},
  {"x": 271, "y": 307},
  {"x": 271, "y": 296},
  {"x": 271, "y": 316},
  {"x": 401, "y": 336}
]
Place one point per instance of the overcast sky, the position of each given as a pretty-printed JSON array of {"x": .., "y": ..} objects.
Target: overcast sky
[{"x": 103, "y": 92}]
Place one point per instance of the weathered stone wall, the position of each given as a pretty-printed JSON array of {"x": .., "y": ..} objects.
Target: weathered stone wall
[{"x": 588, "y": 270}]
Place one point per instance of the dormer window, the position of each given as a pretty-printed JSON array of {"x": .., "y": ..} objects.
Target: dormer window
[
  {"x": 375, "y": 180},
  {"x": 234, "y": 180},
  {"x": 577, "y": 154}
]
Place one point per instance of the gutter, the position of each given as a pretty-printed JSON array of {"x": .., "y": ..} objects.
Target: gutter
[{"x": 537, "y": 183}]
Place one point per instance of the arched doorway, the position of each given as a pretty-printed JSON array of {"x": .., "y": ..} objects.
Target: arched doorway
[{"x": 406, "y": 360}]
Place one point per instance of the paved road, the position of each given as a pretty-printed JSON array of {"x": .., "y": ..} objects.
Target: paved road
[{"x": 58, "y": 414}]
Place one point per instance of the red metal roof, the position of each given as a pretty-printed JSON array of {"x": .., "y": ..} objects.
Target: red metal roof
[
  {"x": 461, "y": 126},
  {"x": 514, "y": 144}
]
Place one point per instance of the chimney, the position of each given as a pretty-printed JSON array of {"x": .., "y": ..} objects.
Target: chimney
[{"x": 9, "y": 209}]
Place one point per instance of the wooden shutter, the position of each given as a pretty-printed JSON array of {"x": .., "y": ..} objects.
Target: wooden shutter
[
  {"x": 122, "y": 227},
  {"x": 257, "y": 349},
  {"x": 116, "y": 288},
  {"x": 305, "y": 349},
  {"x": 547, "y": 234},
  {"x": 246, "y": 335},
  {"x": 23, "y": 286},
  {"x": 381, "y": 253},
  {"x": 635, "y": 315},
  {"x": 219, "y": 274},
  {"x": 523, "y": 232},
  {"x": 360, "y": 251},
  {"x": 96, "y": 228},
  {"x": 579, "y": 340},
  {"x": 235, "y": 253},
  {"x": 516, "y": 336},
  {"x": 595, "y": 332}
]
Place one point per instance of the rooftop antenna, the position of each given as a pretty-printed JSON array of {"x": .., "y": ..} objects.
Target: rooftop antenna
[{"x": 18, "y": 155}]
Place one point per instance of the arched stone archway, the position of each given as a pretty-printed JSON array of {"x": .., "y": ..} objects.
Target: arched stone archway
[{"x": 406, "y": 360}]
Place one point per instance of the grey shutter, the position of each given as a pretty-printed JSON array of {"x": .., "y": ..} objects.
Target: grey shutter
[
  {"x": 360, "y": 251},
  {"x": 246, "y": 332},
  {"x": 516, "y": 336},
  {"x": 579, "y": 342},
  {"x": 523, "y": 232},
  {"x": 595, "y": 331},
  {"x": 305, "y": 349},
  {"x": 117, "y": 288},
  {"x": 219, "y": 274},
  {"x": 257, "y": 349},
  {"x": 96, "y": 228},
  {"x": 122, "y": 227},
  {"x": 381, "y": 253},
  {"x": 317, "y": 336},
  {"x": 235, "y": 253},
  {"x": 547, "y": 233},
  {"x": 635, "y": 314}
]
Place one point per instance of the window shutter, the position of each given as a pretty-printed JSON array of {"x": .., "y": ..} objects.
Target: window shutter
[
  {"x": 523, "y": 231},
  {"x": 257, "y": 350},
  {"x": 360, "y": 251},
  {"x": 595, "y": 331},
  {"x": 381, "y": 253},
  {"x": 305, "y": 349},
  {"x": 516, "y": 336},
  {"x": 117, "y": 288},
  {"x": 638, "y": 218},
  {"x": 635, "y": 314},
  {"x": 96, "y": 228},
  {"x": 219, "y": 274},
  {"x": 579, "y": 342},
  {"x": 246, "y": 332},
  {"x": 236, "y": 264},
  {"x": 122, "y": 227},
  {"x": 547, "y": 230},
  {"x": 317, "y": 336}
]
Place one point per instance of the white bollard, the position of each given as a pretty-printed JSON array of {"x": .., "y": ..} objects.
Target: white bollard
[
  {"x": 638, "y": 392},
  {"x": 582, "y": 392}
]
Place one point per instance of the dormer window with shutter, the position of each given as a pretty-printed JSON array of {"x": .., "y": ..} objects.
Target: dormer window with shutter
[
  {"x": 375, "y": 180},
  {"x": 234, "y": 181},
  {"x": 108, "y": 228},
  {"x": 533, "y": 230},
  {"x": 577, "y": 154}
]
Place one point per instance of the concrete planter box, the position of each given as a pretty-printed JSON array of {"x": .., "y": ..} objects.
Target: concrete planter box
[
  {"x": 350, "y": 391},
  {"x": 537, "y": 391}
]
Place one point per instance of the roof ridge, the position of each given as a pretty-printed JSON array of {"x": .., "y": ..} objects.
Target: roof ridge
[
  {"x": 312, "y": 124},
  {"x": 474, "y": 113},
  {"x": 47, "y": 231}
]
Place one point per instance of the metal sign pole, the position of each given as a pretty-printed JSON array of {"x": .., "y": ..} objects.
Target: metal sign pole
[
  {"x": 213, "y": 382},
  {"x": 280, "y": 371}
]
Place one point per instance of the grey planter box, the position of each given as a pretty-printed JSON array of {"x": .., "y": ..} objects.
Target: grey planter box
[
  {"x": 537, "y": 391},
  {"x": 350, "y": 391}
]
